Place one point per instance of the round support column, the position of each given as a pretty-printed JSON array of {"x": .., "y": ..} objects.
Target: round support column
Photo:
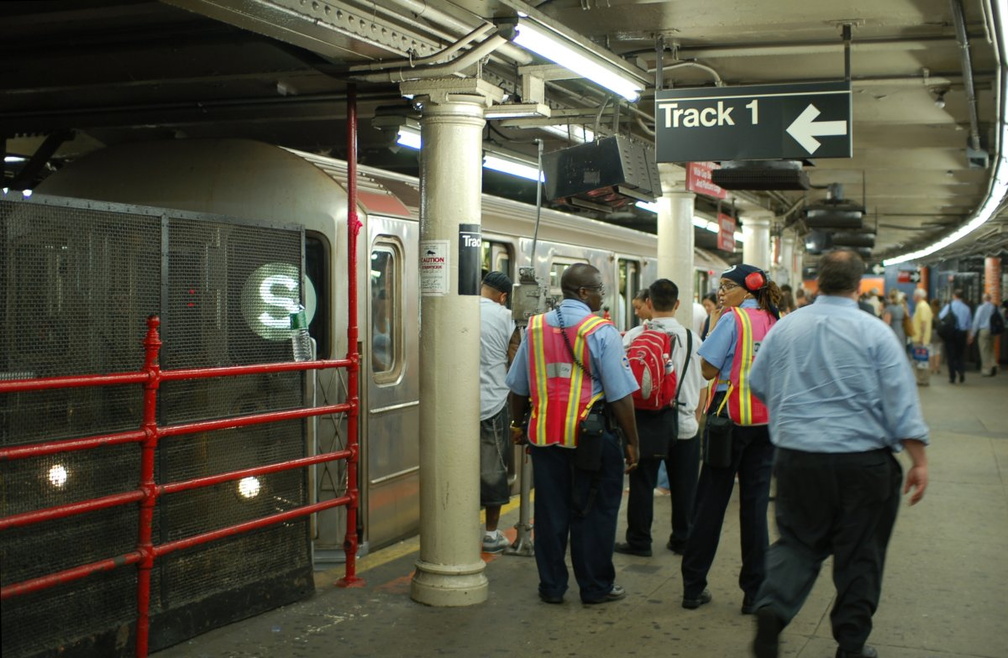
[
  {"x": 787, "y": 258},
  {"x": 675, "y": 237},
  {"x": 449, "y": 570},
  {"x": 756, "y": 248}
]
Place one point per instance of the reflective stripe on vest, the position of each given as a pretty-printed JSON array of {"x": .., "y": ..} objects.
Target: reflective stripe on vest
[
  {"x": 751, "y": 325},
  {"x": 561, "y": 392}
]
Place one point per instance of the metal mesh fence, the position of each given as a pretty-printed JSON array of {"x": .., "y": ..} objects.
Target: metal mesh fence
[{"x": 79, "y": 280}]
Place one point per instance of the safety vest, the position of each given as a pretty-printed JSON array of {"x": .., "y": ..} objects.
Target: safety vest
[
  {"x": 561, "y": 391},
  {"x": 751, "y": 325}
]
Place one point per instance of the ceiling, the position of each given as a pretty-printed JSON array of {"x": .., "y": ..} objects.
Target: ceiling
[{"x": 78, "y": 75}]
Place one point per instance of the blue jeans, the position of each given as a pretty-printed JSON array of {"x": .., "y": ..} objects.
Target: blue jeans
[{"x": 582, "y": 506}]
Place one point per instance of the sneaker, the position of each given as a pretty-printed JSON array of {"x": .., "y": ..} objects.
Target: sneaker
[
  {"x": 495, "y": 543},
  {"x": 693, "y": 603}
]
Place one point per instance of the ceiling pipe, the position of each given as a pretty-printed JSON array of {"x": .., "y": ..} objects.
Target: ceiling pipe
[
  {"x": 959, "y": 22},
  {"x": 709, "y": 69},
  {"x": 436, "y": 58},
  {"x": 421, "y": 9},
  {"x": 443, "y": 70}
]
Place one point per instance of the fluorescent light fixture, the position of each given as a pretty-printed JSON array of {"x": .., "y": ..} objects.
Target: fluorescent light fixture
[
  {"x": 999, "y": 183},
  {"x": 555, "y": 47},
  {"x": 512, "y": 166},
  {"x": 698, "y": 221},
  {"x": 577, "y": 134},
  {"x": 408, "y": 137},
  {"x": 14, "y": 158},
  {"x": 517, "y": 111}
]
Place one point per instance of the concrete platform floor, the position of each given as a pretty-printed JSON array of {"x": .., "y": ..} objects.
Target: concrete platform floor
[{"x": 945, "y": 593}]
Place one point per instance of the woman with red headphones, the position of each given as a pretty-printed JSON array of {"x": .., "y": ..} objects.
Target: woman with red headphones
[{"x": 750, "y": 301}]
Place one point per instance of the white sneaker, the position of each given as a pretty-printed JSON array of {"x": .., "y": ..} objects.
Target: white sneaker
[{"x": 495, "y": 543}]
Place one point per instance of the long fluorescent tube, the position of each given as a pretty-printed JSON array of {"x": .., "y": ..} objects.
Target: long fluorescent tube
[
  {"x": 516, "y": 111},
  {"x": 513, "y": 167},
  {"x": 699, "y": 222},
  {"x": 553, "y": 47},
  {"x": 577, "y": 134},
  {"x": 408, "y": 137},
  {"x": 999, "y": 184}
]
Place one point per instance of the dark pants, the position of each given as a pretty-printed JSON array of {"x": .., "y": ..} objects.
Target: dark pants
[
  {"x": 955, "y": 349},
  {"x": 683, "y": 467},
  {"x": 841, "y": 504},
  {"x": 583, "y": 506},
  {"x": 752, "y": 457}
]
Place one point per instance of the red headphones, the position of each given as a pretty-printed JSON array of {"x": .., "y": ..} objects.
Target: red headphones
[{"x": 755, "y": 280}]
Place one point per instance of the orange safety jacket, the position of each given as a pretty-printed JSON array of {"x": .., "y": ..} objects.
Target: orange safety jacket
[
  {"x": 561, "y": 391},
  {"x": 751, "y": 325}
]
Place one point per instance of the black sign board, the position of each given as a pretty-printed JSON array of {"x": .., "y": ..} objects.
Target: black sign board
[
  {"x": 469, "y": 259},
  {"x": 764, "y": 122}
]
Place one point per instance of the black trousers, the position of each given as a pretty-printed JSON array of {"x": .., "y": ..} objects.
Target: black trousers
[
  {"x": 682, "y": 466},
  {"x": 955, "y": 349},
  {"x": 842, "y": 504}
]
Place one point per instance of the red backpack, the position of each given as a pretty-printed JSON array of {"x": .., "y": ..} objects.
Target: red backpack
[{"x": 650, "y": 356}]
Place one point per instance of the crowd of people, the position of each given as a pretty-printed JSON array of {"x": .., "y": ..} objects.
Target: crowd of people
[{"x": 821, "y": 399}]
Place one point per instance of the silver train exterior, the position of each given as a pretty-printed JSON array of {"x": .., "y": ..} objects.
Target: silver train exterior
[{"x": 260, "y": 184}]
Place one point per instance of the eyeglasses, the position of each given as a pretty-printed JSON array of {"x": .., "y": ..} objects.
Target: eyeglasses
[
  {"x": 728, "y": 287},
  {"x": 600, "y": 287}
]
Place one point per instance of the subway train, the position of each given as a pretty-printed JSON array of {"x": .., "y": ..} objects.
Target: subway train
[{"x": 246, "y": 223}]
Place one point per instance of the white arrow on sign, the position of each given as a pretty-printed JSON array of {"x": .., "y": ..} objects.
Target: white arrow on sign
[
  {"x": 878, "y": 269},
  {"x": 805, "y": 131}
]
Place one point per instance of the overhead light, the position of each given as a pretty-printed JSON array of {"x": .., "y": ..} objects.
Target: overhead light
[
  {"x": 698, "y": 221},
  {"x": 939, "y": 98},
  {"x": 517, "y": 111},
  {"x": 408, "y": 137},
  {"x": 577, "y": 134},
  {"x": 559, "y": 49},
  {"x": 512, "y": 166}
]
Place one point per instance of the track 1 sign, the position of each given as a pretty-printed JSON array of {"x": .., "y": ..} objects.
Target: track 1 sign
[{"x": 764, "y": 122}]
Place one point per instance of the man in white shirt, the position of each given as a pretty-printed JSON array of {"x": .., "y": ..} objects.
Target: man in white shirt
[
  {"x": 683, "y": 458},
  {"x": 497, "y": 331}
]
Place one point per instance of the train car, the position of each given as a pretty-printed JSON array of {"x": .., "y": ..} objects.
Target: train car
[{"x": 263, "y": 187}]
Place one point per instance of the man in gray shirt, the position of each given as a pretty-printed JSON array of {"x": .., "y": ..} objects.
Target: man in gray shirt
[{"x": 841, "y": 399}]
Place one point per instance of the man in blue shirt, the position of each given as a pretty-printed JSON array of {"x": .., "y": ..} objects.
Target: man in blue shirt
[
  {"x": 572, "y": 502},
  {"x": 956, "y": 345},
  {"x": 842, "y": 399},
  {"x": 981, "y": 333}
]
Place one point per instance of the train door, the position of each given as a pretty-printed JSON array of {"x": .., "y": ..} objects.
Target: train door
[
  {"x": 390, "y": 364},
  {"x": 498, "y": 256},
  {"x": 629, "y": 273}
]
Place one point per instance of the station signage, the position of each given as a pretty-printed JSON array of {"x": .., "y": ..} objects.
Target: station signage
[
  {"x": 698, "y": 179},
  {"x": 726, "y": 232},
  {"x": 763, "y": 122}
]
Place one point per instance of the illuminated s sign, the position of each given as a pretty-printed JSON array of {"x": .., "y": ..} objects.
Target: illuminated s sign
[{"x": 270, "y": 295}]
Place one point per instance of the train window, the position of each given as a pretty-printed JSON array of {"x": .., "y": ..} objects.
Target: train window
[
  {"x": 386, "y": 319},
  {"x": 557, "y": 268},
  {"x": 496, "y": 256},
  {"x": 629, "y": 283},
  {"x": 317, "y": 271}
]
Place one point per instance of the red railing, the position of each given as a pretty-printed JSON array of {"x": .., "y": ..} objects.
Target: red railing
[{"x": 149, "y": 490}]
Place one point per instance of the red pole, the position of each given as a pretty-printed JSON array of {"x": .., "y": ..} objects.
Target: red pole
[
  {"x": 350, "y": 578},
  {"x": 152, "y": 345}
]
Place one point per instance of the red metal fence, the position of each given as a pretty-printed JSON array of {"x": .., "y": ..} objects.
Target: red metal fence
[{"x": 149, "y": 490}]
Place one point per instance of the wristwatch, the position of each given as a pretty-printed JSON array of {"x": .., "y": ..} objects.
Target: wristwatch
[{"x": 517, "y": 426}]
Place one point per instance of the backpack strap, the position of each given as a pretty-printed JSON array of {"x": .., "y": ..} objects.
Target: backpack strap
[{"x": 689, "y": 357}]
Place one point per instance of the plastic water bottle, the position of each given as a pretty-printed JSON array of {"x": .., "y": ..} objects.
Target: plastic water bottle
[{"x": 300, "y": 340}]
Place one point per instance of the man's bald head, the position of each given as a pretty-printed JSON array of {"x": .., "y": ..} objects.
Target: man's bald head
[{"x": 577, "y": 276}]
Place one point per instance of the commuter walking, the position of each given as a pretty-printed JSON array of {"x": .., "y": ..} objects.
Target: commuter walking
[
  {"x": 981, "y": 333},
  {"x": 750, "y": 302},
  {"x": 955, "y": 341},
  {"x": 570, "y": 355},
  {"x": 841, "y": 400},
  {"x": 923, "y": 321}
]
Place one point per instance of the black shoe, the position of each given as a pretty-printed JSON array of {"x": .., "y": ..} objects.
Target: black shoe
[
  {"x": 627, "y": 549},
  {"x": 768, "y": 628},
  {"x": 677, "y": 546},
  {"x": 866, "y": 652},
  {"x": 615, "y": 594},
  {"x": 692, "y": 604},
  {"x": 551, "y": 598},
  {"x": 748, "y": 605},
  {"x": 962, "y": 380}
]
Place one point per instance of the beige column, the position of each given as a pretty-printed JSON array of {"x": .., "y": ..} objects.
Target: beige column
[
  {"x": 787, "y": 258},
  {"x": 675, "y": 237},
  {"x": 756, "y": 249},
  {"x": 449, "y": 570}
]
